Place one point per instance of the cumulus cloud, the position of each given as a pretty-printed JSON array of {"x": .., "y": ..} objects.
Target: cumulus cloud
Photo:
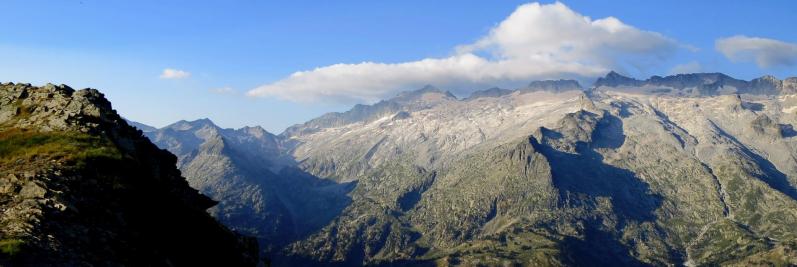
[
  {"x": 174, "y": 74},
  {"x": 764, "y": 52},
  {"x": 536, "y": 41},
  {"x": 691, "y": 67}
]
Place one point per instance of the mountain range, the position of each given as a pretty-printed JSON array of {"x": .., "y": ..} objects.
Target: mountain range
[{"x": 685, "y": 170}]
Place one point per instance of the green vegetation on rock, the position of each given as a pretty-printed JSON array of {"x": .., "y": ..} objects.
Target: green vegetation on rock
[
  {"x": 25, "y": 145},
  {"x": 79, "y": 187},
  {"x": 11, "y": 247}
]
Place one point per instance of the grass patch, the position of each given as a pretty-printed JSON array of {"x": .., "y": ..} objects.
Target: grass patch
[
  {"x": 11, "y": 247},
  {"x": 16, "y": 145}
]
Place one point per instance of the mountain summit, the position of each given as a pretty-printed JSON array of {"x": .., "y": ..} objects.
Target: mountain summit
[
  {"x": 80, "y": 187},
  {"x": 703, "y": 84},
  {"x": 554, "y": 85}
]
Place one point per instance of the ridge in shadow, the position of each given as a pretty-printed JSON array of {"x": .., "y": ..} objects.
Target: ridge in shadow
[
  {"x": 771, "y": 175},
  {"x": 582, "y": 178}
]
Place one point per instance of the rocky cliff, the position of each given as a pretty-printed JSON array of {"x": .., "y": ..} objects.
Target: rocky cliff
[
  {"x": 79, "y": 187},
  {"x": 553, "y": 86},
  {"x": 697, "y": 84},
  {"x": 260, "y": 191}
]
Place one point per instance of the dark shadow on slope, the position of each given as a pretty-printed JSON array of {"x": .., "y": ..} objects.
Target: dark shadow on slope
[
  {"x": 623, "y": 109},
  {"x": 312, "y": 202},
  {"x": 583, "y": 174},
  {"x": 608, "y": 133},
  {"x": 772, "y": 176},
  {"x": 410, "y": 199},
  {"x": 670, "y": 125},
  {"x": 278, "y": 208},
  {"x": 583, "y": 177},
  {"x": 753, "y": 106},
  {"x": 598, "y": 248},
  {"x": 315, "y": 202},
  {"x": 547, "y": 133},
  {"x": 787, "y": 130}
]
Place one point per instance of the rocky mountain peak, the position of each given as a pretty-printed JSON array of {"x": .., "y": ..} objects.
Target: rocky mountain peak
[
  {"x": 770, "y": 78},
  {"x": 256, "y": 131},
  {"x": 56, "y": 108},
  {"x": 613, "y": 75},
  {"x": 614, "y": 79},
  {"x": 690, "y": 80},
  {"x": 790, "y": 85},
  {"x": 554, "y": 85},
  {"x": 423, "y": 98},
  {"x": 205, "y": 125},
  {"x": 428, "y": 92},
  {"x": 198, "y": 123},
  {"x": 80, "y": 187},
  {"x": 491, "y": 92},
  {"x": 696, "y": 84},
  {"x": 766, "y": 84}
]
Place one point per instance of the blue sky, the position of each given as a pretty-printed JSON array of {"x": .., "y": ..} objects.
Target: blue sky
[{"x": 232, "y": 47}]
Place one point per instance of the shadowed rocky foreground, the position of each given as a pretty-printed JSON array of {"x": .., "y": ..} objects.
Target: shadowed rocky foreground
[{"x": 79, "y": 187}]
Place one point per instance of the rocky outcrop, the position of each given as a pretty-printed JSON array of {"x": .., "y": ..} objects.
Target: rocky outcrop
[
  {"x": 702, "y": 84},
  {"x": 492, "y": 92},
  {"x": 553, "y": 86},
  {"x": 79, "y": 187},
  {"x": 426, "y": 95},
  {"x": 614, "y": 79},
  {"x": 790, "y": 85}
]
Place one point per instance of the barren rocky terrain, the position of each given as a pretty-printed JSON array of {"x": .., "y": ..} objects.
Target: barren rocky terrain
[{"x": 696, "y": 169}]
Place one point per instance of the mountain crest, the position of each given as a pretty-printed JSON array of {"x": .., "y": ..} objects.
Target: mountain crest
[
  {"x": 69, "y": 162},
  {"x": 425, "y": 92},
  {"x": 56, "y": 108},
  {"x": 197, "y": 124},
  {"x": 554, "y": 85},
  {"x": 700, "y": 84},
  {"x": 614, "y": 79},
  {"x": 491, "y": 92}
]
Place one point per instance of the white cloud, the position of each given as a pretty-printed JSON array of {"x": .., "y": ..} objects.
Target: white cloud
[
  {"x": 536, "y": 41},
  {"x": 174, "y": 74},
  {"x": 691, "y": 67},
  {"x": 222, "y": 90},
  {"x": 764, "y": 52}
]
